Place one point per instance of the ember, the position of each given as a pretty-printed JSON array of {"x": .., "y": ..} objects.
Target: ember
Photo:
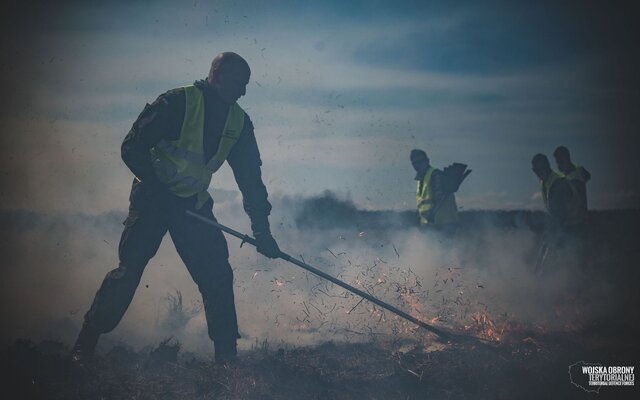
[{"x": 484, "y": 327}]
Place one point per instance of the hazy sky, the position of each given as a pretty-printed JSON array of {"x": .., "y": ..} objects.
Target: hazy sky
[{"x": 340, "y": 92}]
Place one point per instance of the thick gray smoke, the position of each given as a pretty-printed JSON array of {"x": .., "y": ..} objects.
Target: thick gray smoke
[{"x": 56, "y": 263}]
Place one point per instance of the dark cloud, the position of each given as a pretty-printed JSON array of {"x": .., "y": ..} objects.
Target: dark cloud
[{"x": 504, "y": 36}]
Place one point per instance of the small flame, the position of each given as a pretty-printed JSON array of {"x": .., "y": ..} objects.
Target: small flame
[{"x": 485, "y": 327}]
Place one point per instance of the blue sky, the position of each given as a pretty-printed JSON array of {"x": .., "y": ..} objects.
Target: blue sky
[{"x": 340, "y": 93}]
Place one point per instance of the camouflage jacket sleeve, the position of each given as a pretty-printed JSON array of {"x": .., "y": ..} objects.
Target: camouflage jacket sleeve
[
  {"x": 160, "y": 120},
  {"x": 245, "y": 162}
]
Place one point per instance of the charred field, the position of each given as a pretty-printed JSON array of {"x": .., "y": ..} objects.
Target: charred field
[
  {"x": 535, "y": 366},
  {"x": 531, "y": 336}
]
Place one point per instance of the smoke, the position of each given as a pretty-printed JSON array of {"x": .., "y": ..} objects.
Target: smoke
[{"x": 55, "y": 263}]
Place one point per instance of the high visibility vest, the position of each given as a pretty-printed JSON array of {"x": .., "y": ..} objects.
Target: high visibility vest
[
  {"x": 578, "y": 174},
  {"x": 575, "y": 208},
  {"x": 447, "y": 211},
  {"x": 578, "y": 179},
  {"x": 546, "y": 187},
  {"x": 180, "y": 164}
]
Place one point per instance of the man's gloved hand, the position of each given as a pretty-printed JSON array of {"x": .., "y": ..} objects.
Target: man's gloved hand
[{"x": 267, "y": 245}]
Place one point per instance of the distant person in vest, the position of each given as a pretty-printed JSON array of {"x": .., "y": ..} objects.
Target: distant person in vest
[
  {"x": 435, "y": 207},
  {"x": 560, "y": 198},
  {"x": 576, "y": 175},
  {"x": 173, "y": 148}
]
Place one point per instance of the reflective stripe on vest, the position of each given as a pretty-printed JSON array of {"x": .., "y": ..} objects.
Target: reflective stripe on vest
[
  {"x": 447, "y": 211},
  {"x": 180, "y": 164},
  {"x": 423, "y": 190},
  {"x": 546, "y": 186}
]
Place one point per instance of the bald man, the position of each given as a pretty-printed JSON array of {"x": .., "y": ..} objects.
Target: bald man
[{"x": 173, "y": 148}]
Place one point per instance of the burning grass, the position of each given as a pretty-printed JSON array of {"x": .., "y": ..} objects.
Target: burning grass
[
  {"x": 386, "y": 358},
  {"x": 364, "y": 352}
]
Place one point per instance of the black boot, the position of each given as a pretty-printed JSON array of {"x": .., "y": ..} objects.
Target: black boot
[
  {"x": 226, "y": 352},
  {"x": 85, "y": 346}
]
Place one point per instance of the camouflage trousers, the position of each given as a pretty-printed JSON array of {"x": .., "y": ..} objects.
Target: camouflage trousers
[{"x": 201, "y": 247}]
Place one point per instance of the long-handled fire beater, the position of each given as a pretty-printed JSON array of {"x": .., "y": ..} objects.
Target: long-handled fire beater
[{"x": 443, "y": 334}]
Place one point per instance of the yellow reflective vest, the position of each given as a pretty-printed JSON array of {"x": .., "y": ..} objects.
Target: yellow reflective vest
[
  {"x": 446, "y": 210},
  {"x": 578, "y": 174},
  {"x": 578, "y": 179},
  {"x": 180, "y": 164}
]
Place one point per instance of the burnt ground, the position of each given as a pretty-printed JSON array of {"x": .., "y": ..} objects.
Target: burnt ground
[
  {"x": 529, "y": 368},
  {"x": 526, "y": 363}
]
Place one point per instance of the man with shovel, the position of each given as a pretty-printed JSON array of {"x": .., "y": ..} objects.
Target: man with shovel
[{"x": 173, "y": 149}]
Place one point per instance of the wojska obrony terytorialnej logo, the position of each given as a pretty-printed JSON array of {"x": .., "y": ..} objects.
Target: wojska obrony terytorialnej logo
[{"x": 591, "y": 377}]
